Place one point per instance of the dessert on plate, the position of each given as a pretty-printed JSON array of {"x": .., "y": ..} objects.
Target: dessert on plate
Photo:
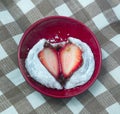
[{"x": 63, "y": 65}]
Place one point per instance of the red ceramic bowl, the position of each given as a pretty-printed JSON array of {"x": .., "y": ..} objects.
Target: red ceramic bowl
[{"x": 64, "y": 27}]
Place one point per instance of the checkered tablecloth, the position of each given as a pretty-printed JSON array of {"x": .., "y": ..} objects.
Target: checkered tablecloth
[{"x": 101, "y": 16}]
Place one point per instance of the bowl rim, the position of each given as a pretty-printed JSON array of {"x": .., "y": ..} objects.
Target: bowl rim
[{"x": 58, "y": 17}]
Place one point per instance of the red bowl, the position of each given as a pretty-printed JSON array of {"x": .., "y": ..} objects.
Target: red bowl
[{"x": 63, "y": 27}]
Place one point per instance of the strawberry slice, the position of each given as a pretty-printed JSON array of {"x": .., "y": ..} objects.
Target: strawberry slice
[
  {"x": 70, "y": 59},
  {"x": 48, "y": 57}
]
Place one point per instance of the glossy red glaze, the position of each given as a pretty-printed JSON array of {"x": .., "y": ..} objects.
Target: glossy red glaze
[{"x": 63, "y": 27}]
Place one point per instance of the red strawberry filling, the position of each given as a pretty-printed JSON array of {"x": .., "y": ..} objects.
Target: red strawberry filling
[
  {"x": 70, "y": 59},
  {"x": 61, "y": 62},
  {"x": 49, "y": 58}
]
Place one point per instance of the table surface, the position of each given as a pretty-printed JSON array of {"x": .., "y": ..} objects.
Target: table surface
[{"x": 101, "y": 16}]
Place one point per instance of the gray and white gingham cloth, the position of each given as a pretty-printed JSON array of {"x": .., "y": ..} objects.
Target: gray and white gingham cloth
[{"x": 101, "y": 16}]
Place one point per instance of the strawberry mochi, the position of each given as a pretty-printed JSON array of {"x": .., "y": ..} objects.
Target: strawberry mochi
[{"x": 72, "y": 62}]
